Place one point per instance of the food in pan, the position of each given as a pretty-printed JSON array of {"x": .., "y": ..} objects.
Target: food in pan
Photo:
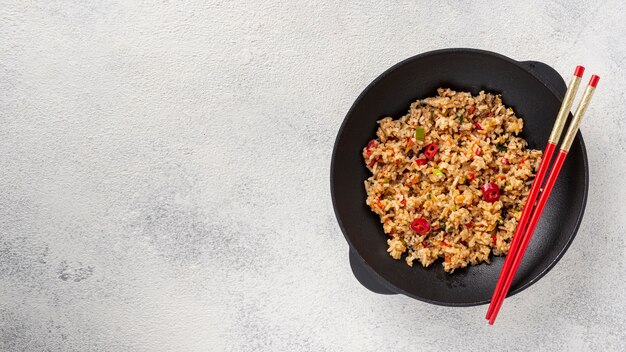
[{"x": 450, "y": 178}]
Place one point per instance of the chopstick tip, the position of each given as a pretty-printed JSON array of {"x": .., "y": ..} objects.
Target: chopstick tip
[
  {"x": 594, "y": 80},
  {"x": 579, "y": 71}
]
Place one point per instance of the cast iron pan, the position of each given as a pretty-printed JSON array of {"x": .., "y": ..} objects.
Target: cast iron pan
[{"x": 535, "y": 91}]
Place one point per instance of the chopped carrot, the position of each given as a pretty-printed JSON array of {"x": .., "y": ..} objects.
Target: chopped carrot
[{"x": 409, "y": 144}]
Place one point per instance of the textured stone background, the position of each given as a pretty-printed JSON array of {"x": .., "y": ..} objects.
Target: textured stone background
[{"x": 164, "y": 175}]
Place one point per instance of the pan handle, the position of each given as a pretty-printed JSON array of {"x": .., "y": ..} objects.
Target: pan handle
[
  {"x": 548, "y": 75},
  {"x": 365, "y": 276}
]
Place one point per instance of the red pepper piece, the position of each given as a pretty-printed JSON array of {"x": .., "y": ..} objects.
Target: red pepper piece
[
  {"x": 491, "y": 192},
  {"x": 431, "y": 150},
  {"x": 420, "y": 226}
]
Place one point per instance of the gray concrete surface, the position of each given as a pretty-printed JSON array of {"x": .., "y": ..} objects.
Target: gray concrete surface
[{"x": 164, "y": 175}]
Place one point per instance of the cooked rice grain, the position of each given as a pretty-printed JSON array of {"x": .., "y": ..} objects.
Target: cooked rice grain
[{"x": 465, "y": 229}]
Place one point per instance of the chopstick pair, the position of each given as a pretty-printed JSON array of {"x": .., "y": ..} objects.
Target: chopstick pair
[{"x": 532, "y": 210}]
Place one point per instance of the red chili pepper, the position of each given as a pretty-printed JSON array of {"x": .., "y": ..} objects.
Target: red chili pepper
[
  {"x": 425, "y": 244},
  {"x": 505, "y": 161},
  {"x": 478, "y": 151},
  {"x": 470, "y": 224},
  {"x": 478, "y": 126},
  {"x": 420, "y": 208},
  {"x": 403, "y": 201},
  {"x": 491, "y": 192},
  {"x": 371, "y": 164},
  {"x": 494, "y": 238},
  {"x": 421, "y": 161},
  {"x": 471, "y": 109},
  {"x": 431, "y": 150},
  {"x": 471, "y": 176},
  {"x": 443, "y": 243},
  {"x": 420, "y": 226}
]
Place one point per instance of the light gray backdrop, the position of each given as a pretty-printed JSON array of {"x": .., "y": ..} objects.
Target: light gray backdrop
[{"x": 164, "y": 175}]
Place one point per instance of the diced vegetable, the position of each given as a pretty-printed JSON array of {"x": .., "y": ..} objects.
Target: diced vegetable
[
  {"x": 409, "y": 144},
  {"x": 478, "y": 126},
  {"x": 460, "y": 118},
  {"x": 438, "y": 172},
  {"x": 471, "y": 109},
  {"x": 501, "y": 147},
  {"x": 471, "y": 176},
  {"x": 431, "y": 150},
  {"x": 421, "y": 161},
  {"x": 419, "y": 133},
  {"x": 491, "y": 192},
  {"x": 478, "y": 151},
  {"x": 421, "y": 226}
]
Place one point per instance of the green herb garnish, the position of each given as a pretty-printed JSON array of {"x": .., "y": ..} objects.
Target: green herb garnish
[
  {"x": 501, "y": 147},
  {"x": 438, "y": 172},
  {"x": 390, "y": 198},
  {"x": 460, "y": 117},
  {"x": 428, "y": 196},
  {"x": 419, "y": 133}
]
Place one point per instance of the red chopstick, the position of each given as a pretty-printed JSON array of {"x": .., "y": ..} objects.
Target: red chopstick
[
  {"x": 545, "y": 195},
  {"x": 555, "y": 135}
]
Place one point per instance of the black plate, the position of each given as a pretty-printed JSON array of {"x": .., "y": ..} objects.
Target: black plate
[{"x": 535, "y": 91}]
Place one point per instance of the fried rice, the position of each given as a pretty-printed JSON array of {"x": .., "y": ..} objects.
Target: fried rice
[{"x": 478, "y": 143}]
